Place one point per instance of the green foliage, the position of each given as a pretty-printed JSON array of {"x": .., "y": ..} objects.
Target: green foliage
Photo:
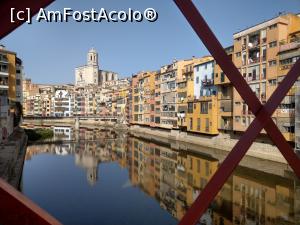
[{"x": 39, "y": 134}]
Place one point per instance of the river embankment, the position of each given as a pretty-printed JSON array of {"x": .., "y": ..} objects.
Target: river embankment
[
  {"x": 12, "y": 156},
  {"x": 224, "y": 142}
]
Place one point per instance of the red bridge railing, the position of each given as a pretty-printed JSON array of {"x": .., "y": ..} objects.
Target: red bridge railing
[
  {"x": 14, "y": 203},
  {"x": 15, "y": 208}
]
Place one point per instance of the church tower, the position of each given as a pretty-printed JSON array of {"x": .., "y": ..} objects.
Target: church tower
[{"x": 92, "y": 58}]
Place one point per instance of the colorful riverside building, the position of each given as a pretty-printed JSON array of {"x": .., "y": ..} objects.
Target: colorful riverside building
[
  {"x": 224, "y": 96},
  {"x": 143, "y": 91},
  {"x": 171, "y": 104},
  {"x": 11, "y": 95},
  {"x": 202, "y": 108},
  {"x": 185, "y": 93},
  {"x": 263, "y": 57}
]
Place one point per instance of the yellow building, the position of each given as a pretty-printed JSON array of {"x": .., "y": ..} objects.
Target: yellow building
[
  {"x": 202, "y": 115},
  {"x": 10, "y": 89},
  {"x": 157, "y": 100},
  {"x": 202, "y": 108},
  {"x": 143, "y": 86},
  {"x": 199, "y": 171},
  {"x": 258, "y": 55},
  {"x": 185, "y": 93}
]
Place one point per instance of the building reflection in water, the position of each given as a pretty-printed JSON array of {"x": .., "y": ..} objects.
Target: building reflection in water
[{"x": 175, "y": 179}]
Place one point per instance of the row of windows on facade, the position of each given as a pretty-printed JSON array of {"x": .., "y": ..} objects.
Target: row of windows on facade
[{"x": 263, "y": 33}]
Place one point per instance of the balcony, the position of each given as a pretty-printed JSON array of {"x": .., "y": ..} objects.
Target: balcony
[
  {"x": 187, "y": 71},
  {"x": 286, "y": 67},
  {"x": 207, "y": 82},
  {"x": 3, "y": 72},
  {"x": 254, "y": 56},
  {"x": 254, "y": 41},
  {"x": 253, "y": 60},
  {"x": 4, "y": 84},
  {"x": 286, "y": 112},
  {"x": 3, "y": 59},
  {"x": 289, "y": 46}
]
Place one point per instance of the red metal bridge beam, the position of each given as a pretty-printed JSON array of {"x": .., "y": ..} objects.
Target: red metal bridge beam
[
  {"x": 5, "y": 12},
  {"x": 263, "y": 114},
  {"x": 16, "y": 209}
]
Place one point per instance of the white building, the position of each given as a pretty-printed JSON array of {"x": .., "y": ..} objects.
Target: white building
[
  {"x": 63, "y": 103},
  {"x": 204, "y": 79},
  {"x": 91, "y": 73}
]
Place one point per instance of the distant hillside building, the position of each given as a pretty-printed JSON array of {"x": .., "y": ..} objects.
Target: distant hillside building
[{"x": 91, "y": 73}]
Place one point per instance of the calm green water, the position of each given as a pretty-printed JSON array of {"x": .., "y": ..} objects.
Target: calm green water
[{"x": 101, "y": 177}]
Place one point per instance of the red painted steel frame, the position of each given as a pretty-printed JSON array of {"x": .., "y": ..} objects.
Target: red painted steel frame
[
  {"x": 262, "y": 113},
  {"x": 5, "y": 10},
  {"x": 15, "y": 208}
]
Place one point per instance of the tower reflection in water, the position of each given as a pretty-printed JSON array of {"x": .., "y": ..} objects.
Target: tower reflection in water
[{"x": 176, "y": 178}]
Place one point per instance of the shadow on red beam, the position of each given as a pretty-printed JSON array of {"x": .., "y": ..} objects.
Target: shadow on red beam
[{"x": 16, "y": 209}]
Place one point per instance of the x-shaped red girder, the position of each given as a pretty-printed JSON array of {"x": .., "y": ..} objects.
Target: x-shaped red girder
[{"x": 263, "y": 114}]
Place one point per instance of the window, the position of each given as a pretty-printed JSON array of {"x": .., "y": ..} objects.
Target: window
[
  {"x": 198, "y": 165},
  {"x": 264, "y": 71},
  {"x": 272, "y": 44},
  {"x": 237, "y": 119},
  {"x": 222, "y": 77},
  {"x": 204, "y": 107},
  {"x": 264, "y": 53},
  {"x": 274, "y": 26},
  {"x": 205, "y": 66},
  {"x": 18, "y": 82},
  {"x": 272, "y": 82},
  {"x": 191, "y": 124},
  {"x": 272, "y": 63},
  {"x": 198, "y": 124},
  {"x": 190, "y": 107},
  {"x": 238, "y": 54},
  {"x": 263, "y": 35},
  {"x": 244, "y": 121},
  {"x": 216, "y": 75},
  {"x": 197, "y": 80},
  {"x": 289, "y": 60},
  {"x": 206, "y": 125}
]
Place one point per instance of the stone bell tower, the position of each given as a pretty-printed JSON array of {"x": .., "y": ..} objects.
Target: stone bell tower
[{"x": 92, "y": 58}]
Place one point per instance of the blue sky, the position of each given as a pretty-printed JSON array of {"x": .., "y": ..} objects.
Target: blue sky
[{"x": 51, "y": 51}]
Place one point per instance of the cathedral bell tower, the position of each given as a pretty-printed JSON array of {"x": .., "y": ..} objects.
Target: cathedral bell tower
[{"x": 92, "y": 58}]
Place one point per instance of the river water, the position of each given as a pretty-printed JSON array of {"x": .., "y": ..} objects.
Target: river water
[{"x": 102, "y": 177}]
